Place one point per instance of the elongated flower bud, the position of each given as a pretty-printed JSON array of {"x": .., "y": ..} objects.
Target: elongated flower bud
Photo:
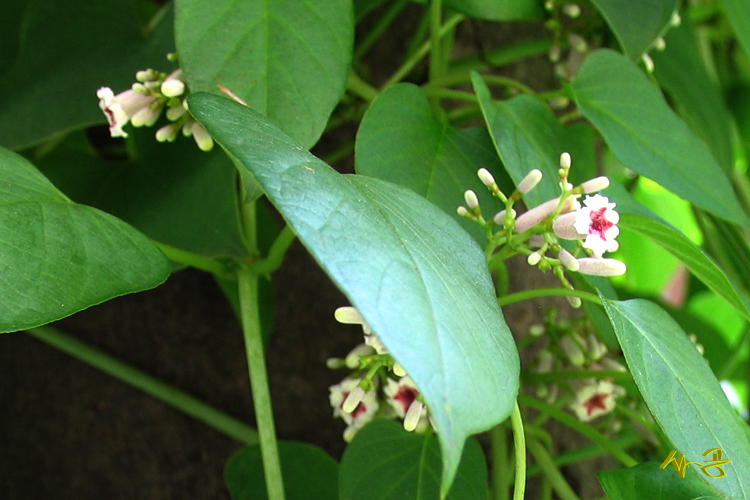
[
  {"x": 471, "y": 199},
  {"x": 539, "y": 213},
  {"x": 565, "y": 160},
  {"x": 568, "y": 260},
  {"x": 534, "y": 258},
  {"x": 564, "y": 227},
  {"x": 572, "y": 350},
  {"x": 353, "y": 399},
  {"x": 500, "y": 216},
  {"x": 486, "y": 177},
  {"x": 601, "y": 267},
  {"x": 595, "y": 184},
  {"x": 531, "y": 180}
]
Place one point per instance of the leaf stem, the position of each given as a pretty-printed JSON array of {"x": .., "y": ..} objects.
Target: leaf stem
[
  {"x": 248, "y": 293},
  {"x": 194, "y": 260},
  {"x": 149, "y": 384},
  {"x": 361, "y": 88},
  {"x": 519, "y": 440},
  {"x": 551, "y": 472},
  {"x": 546, "y": 292},
  {"x": 500, "y": 476},
  {"x": 276, "y": 253},
  {"x": 436, "y": 52}
]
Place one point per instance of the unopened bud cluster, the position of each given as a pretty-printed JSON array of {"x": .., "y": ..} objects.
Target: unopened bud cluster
[
  {"x": 379, "y": 387},
  {"x": 142, "y": 105},
  {"x": 537, "y": 232}
]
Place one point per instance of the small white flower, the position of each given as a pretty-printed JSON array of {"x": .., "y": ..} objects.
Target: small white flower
[
  {"x": 402, "y": 396},
  {"x": 121, "y": 108},
  {"x": 594, "y": 399},
  {"x": 597, "y": 220},
  {"x": 174, "y": 84},
  {"x": 358, "y": 414}
]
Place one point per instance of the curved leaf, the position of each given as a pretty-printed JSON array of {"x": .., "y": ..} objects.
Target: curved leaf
[
  {"x": 498, "y": 10},
  {"x": 56, "y": 257},
  {"x": 682, "y": 392},
  {"x": 636, "y": 23},
  {"x": 308, "y": 472},
  {"x": 400, "y": 140},
  {"x": 288, "y": 59},
  {"x": 738, "y": 14},
  {"x": 384, "y": 462},
  {"x": 647, "y": 480},
  {"x": 648, "y": 137},
  {"x": 418, "y": 279}
]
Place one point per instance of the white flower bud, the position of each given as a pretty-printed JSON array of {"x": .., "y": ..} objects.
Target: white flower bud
[
  {"x": 352, "y": 359},
  {"x": 462, "y": 211},
  {"x": 501, "y": 215},
  {"x": 534, "y": 258},
  {"x": 575, "y": 302},
  {"x": 174, "y": 85},
  {"x": 146, "y": 75},
  {"x": 202, "y": 138},
  {"x": 571, "y": 10},
  {"x": 139, "y": 88},
  {"x": 537, "y": 241},
  {"x": 398, "y": 370},
  {"x": 611, "y": 364},
  {"x": 601, "y": 267},
  {"x": 353, "y": 399},
  {"x": 675, "y": 20},
  {"x": 335, "y": 363},
  {"x": 595, "y": 184},
  {"x": 578, "y": 43},
  {"x": 168, "y": 133},
  {"x": 564, "y": 227},
  {"x": 597, "y": 350},
  {"x": 536, "y": 330},
  {"x": 559, "y": 102},
  {"x": 573, "y": 351},
  {"x": 413, "y": 415},
  {"x": 471, "y": 199},
  {"x": 537, "y": 214},
  {"x": 348, "y": 315},
  {"x": 531, "y": 180},
  {"x": 660, "y": 44},
  {"x": 175, "y": 113},
  {"x": 146, "y": 117},
  {"x": 568, "y": 260},
  {"x": 648, "y": 62},
  {"x": 565, "y": 160},
  {"x": 486, "y": 177},
  {"x": 554, "y": 53}
]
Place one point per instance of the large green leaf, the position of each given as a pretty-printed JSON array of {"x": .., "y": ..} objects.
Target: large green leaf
[
  {"x": 738, "y": 13},
  {"x": 680, "y": 70},
  {"x": 66, "y": 51},
  {"x": 636, "y": 23},
  {"x": 647, "y": 480},
  {"x": 497, "y": 10},
  {"x": 384, "y": 462},
  {"x": 418, "y": 279},
  {"x": 309, "y": 473},
  {"x": 682, "y": 393},
  {"x": 56, "y": 257},
  {"x": 527, "y": 136},
  {"x": 288, "y": 59},
  {"x": 648, "y": 137},
  {"x": 399, "y": 140},
  {"x": 174, "y": 193},
  {"x": 700, "y": 264}
]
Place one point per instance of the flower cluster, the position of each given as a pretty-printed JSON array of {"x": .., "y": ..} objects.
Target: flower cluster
[
  {"x": 575, "y": 356},
  {"x": 378, "y": 388},
  {"x": 535, "y": 233},
  {"x": 143, "y": 103}
]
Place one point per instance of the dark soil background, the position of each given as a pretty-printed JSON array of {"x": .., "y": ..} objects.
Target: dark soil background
[{"x": 68, "y": 431}]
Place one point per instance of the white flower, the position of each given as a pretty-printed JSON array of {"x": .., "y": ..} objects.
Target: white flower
[
  {"x": 597, "y": 220},
  {"x": 595, "y": 399},
  {"x": 402, "y": 396},
  {"x": 361, "y": 413},
  {"x": 120, "y": 109}
]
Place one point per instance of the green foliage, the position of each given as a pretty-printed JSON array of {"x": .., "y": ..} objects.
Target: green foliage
[
  {"x": 411, "y": 463},
  {"x": 649, "y": 480},
  {"x": 415, "y": 276}
]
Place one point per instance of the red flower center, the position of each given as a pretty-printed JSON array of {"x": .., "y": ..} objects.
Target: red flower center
[
  {"x": 359, "y": 410},
  {"x": 595, "y": 402},
  {"x": 599, "y": 223},
  {"x": 405, "y": 397}
]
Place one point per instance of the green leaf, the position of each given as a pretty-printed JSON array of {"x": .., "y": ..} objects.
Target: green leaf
[
  {"x": 647, "y": 480},
  {"x": 498, "y": 10},
  {"x": 681, "y": 391},
  {"x": 400, "y": 141},
  {"x": 308, "y": 472},
  {"x": 644, "y": 134},
  {"x": 418, "y": 279},
  {"x": 56, "y": 257},
  {"x": 738, "y": 14},
  {"x": 66, "y": 51},
  {"x": 636, "y": 23},
  {"x": 172, "y": 192},
  {"x": 526, "y": 135},
  {"x": 680, "y": 70},
  {"x": 700, "y": 264},
  {"x": 288, "y": 59},
  {"x": 384, "y": 462}
]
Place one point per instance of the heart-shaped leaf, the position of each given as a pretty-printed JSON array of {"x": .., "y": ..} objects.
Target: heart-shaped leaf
[
  {"x": 400, "y": 140},
  {"x": 384, "y": 462},
  {"x": 647, "y": 480},
  {"x": 417, "y": 278},
  {"x": 57, "y": 257},
  {"x": 682, "y": 392},
  {"x": 647, "y": 136},
  {"x": 288, "y": 59}
]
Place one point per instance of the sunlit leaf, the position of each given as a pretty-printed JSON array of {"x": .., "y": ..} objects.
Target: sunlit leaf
[{"x": 647, "y": 480}]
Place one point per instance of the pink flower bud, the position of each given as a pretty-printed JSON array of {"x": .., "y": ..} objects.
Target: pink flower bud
[
  {"x": 564, "y": 227},
  {"x": 595, "y": 184},
  {"x": 568, "y": 260},
  {"x": 539, "y": 213},
  {"x": 531, "y": 180},
  {"x": 601, "y": 267}
]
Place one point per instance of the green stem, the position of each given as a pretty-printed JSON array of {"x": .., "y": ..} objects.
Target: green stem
[
  {"x": 410, "y": 63},
  {"x": 159, "y": 389},
  {"x": 500, "y": 476},
  {"x": 276, "y": 253},
  {"x": 194, "y": 260},
  {"x": 361, "y": 88},
  {"x": 380, "y": 27},
  {"x": 248, "y": 292},
  {"x": 546, "y": 292},
  {"x": 580, "y": 427},
  {"x": 575, "y": 374},
  {"x": 551, "y": 472},
  {"x": 449, "y": 94},
  {"x": 519, "y": 440},
  {"x": 436, "y": 53},
  {"x": 503, "y": 56},
  {"x": 736, "y": 357}
]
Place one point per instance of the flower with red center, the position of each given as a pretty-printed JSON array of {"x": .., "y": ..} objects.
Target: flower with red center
[
  {"x": 595, "y": 399},
  {"x": 120, "y": 109},
  {"x": 402, "y": 396},
  {"x": 363, "y": 410},
  {"x": 597, "y": 220}
]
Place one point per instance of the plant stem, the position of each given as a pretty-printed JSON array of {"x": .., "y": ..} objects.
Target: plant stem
[
  {"x": 546, "y": 292},
  {"x": 276, "y": 253},
  {"x": 519, "y": 441},
  {"x": 436, "y": 53},
  {"x": 149, "y": 384},
  {"x": 551, "y": 472},
  {"x": 361, "y": 88},
  {"x": 248, "y": 292},
  {"x": 582, "y": 428},
  {"x": 380, "y": 27},
  {"x": 500, "y": 486},
  {"x": 570, "y": 374},
  {"x": 194, "y": 260}
]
